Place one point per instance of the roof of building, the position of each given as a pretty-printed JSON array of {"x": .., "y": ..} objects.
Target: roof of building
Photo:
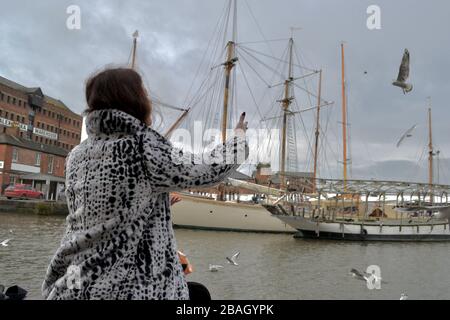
[
  {"x": 42, "y": 177},
  {"x": 275, "y": 177},
  {"x": 28, "y": 144},
  {"x": 295, "y": 174},
  {"x": 17, "y": 86},
  {"x": 239, "y": 175}
]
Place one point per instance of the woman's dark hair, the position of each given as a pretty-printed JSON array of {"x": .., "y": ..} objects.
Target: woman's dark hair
[{"x": 119, "y": 88}]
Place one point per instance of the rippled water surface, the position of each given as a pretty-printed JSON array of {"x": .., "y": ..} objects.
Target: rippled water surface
[{"x": 270, "y": 266}]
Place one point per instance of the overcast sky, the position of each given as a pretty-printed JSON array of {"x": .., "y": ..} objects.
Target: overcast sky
[{"x": 37, "y": 49}]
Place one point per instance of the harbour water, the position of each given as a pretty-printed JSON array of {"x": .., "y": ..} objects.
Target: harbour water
[{"x": 270, "y": 266}]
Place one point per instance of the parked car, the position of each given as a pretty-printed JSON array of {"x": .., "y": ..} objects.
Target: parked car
[{"x": 23, "y": 191}]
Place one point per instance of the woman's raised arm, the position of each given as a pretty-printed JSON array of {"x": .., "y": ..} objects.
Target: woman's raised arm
[{"x": 170, "y": 169}]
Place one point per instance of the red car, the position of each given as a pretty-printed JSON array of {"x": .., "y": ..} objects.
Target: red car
[{"x": 23, "y": 191}]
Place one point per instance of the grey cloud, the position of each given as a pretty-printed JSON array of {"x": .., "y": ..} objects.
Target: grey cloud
[{"x": 38, "y": 50}]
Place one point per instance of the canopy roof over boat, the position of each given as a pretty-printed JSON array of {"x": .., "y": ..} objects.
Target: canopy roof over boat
[
  {"x": 379, "y": 187},
  {"x": 358, "y": 187}
]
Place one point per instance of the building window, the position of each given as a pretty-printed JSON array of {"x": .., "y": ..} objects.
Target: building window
[
  {"x": 12, "y": 116},
  {"x": 17, "y": 118},
  {"x": 38, "y": 159},
  {"x": 14, "y": 101},
  {"x": 15, "y": 155},
  {"x": 23, "y": 119},
  {"x": 24, "y": 104},
  {"x": 43, "y": 111},
  {"x": 50, "y": 164},
  {"x": 7, "y": 99},
  {"x": 3, "y": 96},
  {"x": 20, "y": 103}
]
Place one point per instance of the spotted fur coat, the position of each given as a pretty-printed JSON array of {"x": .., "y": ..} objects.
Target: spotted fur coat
[{"x": 119, "y": 242}]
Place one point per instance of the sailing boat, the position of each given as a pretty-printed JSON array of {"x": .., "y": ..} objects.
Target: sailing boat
[
  {"x": 202, "y": 212},
  {"x": 424, "y": 221}
]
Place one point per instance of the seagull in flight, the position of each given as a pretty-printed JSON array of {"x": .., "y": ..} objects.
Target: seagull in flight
[
  {"x": 215, "y": 267},
  {"x": 5, "y": 243},
  {"x": 233, "y": 258},
  {"x": 359, "y": 275},
  {"x": 407, "y": 134},
  {"x": 403, "y": 74},
  {"x": 369, "y": 278}
]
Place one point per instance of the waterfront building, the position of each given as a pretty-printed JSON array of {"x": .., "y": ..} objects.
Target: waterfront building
[{"x": 36, "y": 134}]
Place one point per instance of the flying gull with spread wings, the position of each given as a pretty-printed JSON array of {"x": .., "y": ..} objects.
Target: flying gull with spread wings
[
  {"x": 403, "y": 74},
  {"x": 407, "y": 134}
]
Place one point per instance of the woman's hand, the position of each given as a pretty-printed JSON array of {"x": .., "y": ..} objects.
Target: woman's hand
[
  {"x": 174, "y": 199},
  {"x": 241, "y": 126},
  {"x": 187, "y": 267}
]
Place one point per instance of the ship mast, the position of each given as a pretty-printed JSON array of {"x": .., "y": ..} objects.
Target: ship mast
[
  {"x": 285, "y": 105},
  {"x": 430, "y": 154},
  {"x": 229, "y": 64},
  {"x": 316, "y": 144},
  {"x": 133, "y": 55},
  {"x": 344, "y": 119}
]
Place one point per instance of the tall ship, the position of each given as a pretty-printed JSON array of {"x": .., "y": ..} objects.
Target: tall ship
[
  {"x": 370, "y": 210},
  {"x": 287, "y": 201},
  {"x": 237, "y": 204}
]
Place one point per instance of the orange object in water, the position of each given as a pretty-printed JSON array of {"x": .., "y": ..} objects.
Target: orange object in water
[{"x": 187, "y": 267}]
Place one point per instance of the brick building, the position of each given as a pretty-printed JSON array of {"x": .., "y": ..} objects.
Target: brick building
[
  {"x": 295, "y": 181},
  {"x": 36, "y": 134}
]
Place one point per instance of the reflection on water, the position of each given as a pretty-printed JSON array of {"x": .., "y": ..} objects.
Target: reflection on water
[{"x": 270, "y": 266}]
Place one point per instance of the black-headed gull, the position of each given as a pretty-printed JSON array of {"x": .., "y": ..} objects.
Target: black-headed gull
[
  {"x": 403, "y": 74},
  {"x": 233, "y": 258},
  {"x": 4, "y": 243},
  {"x": 215, "y": 267}
]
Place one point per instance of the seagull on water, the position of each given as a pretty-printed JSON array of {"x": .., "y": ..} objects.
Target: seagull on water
[
  {"x": 215, "y": 267},
  {"x": 403, "y": 296},
  {"x": 5, "y": 243},
  {"x": 233, "y": 258},
  {"x": 403, "y": 74}
]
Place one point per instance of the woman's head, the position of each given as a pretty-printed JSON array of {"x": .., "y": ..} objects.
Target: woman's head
[{"x": 119, "y": 88}]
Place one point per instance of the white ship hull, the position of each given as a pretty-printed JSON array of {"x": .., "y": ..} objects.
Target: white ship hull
[
  {"x": 379, "y": 231},
  {"x": 202, "y": 213}
]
